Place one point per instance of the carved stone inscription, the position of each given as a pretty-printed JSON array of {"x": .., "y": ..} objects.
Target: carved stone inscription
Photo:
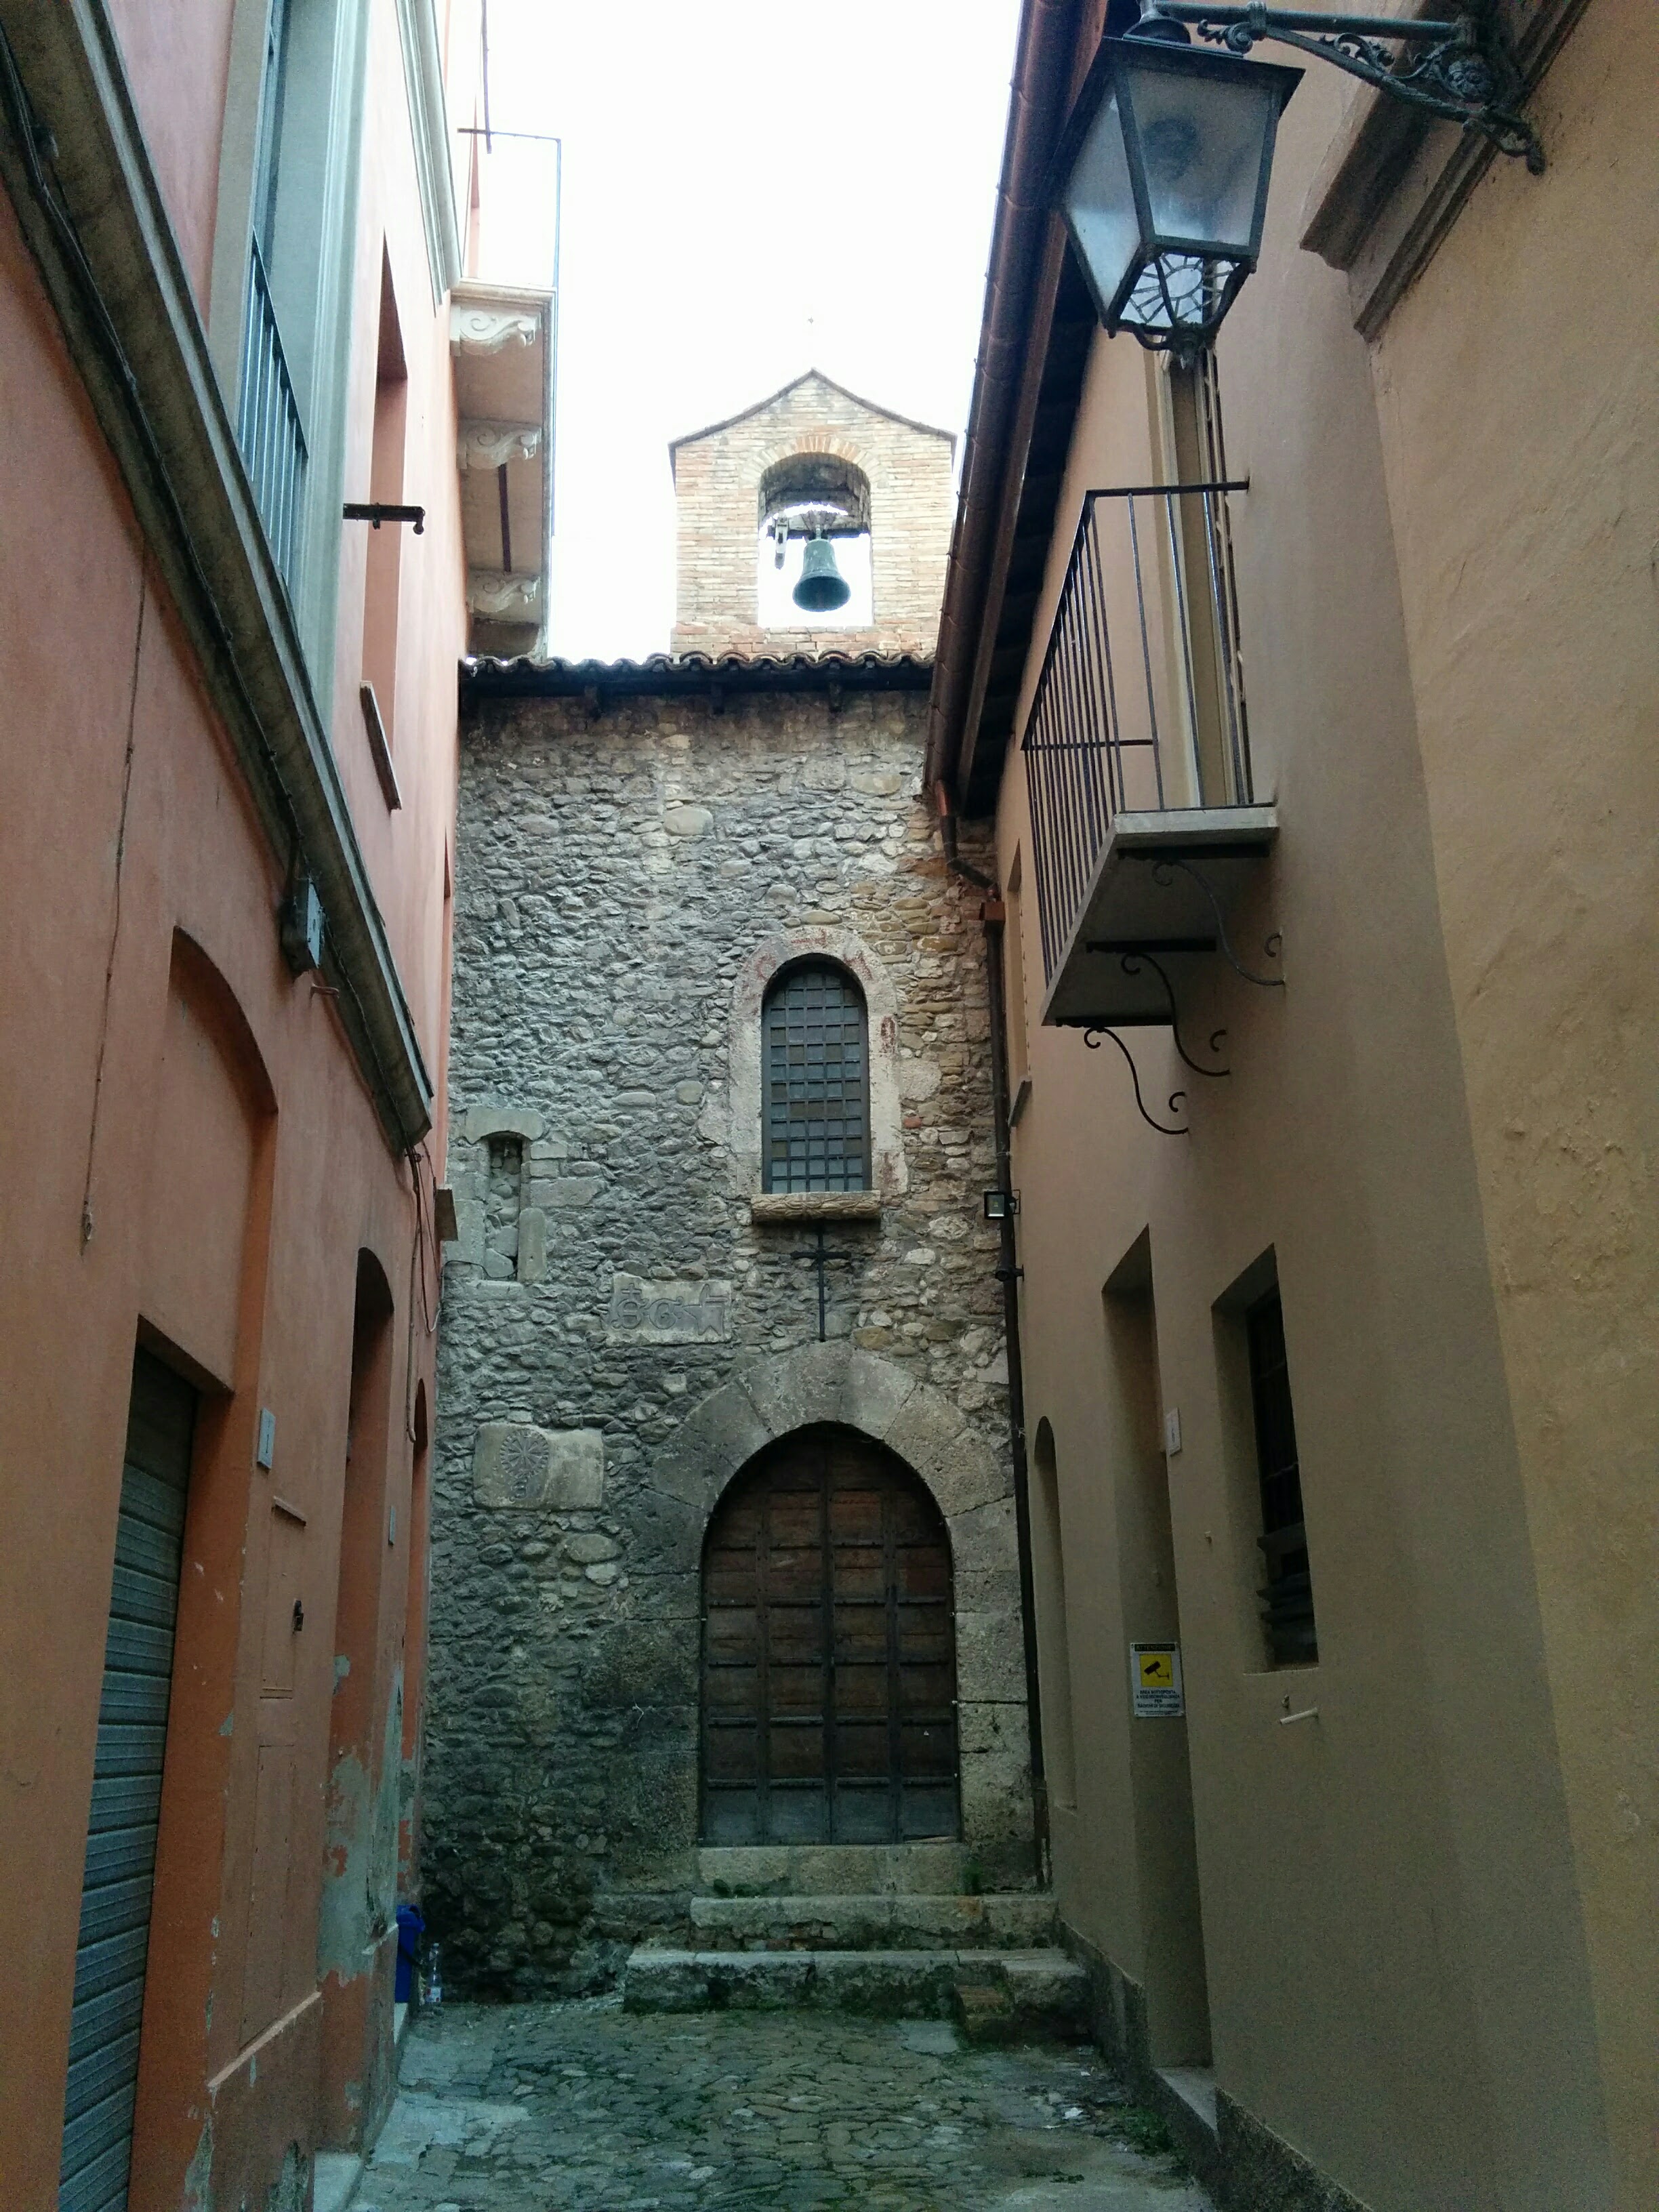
[
  {"x": 555, "y": 1470},
  {"x": 668, "y": 1313}
]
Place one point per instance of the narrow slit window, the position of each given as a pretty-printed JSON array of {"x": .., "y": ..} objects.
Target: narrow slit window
[
  {"x": 815, "y": 1048},
  {"x": 1287, "y": 1606}
]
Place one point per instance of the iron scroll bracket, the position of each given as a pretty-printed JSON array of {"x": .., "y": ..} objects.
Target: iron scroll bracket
[
  {"x": 1461, "y": 70},
  {"x": 1132, "y": 964},
  {"x": 1161, "y": 863},
  {"x": 1091, "y": 1038},
  {"x": 1133, "y": 958}
]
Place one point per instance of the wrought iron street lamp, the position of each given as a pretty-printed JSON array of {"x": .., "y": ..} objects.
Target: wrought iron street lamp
[
  {"x": 1162, "y": 173},
  {"x": 1165, "y": 164}
]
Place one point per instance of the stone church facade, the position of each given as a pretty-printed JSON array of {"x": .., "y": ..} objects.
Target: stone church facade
[{"x": 670, "y": 1346}]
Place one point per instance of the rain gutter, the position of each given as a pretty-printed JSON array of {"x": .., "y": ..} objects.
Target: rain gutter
[{"x": 1027, "y": 248}]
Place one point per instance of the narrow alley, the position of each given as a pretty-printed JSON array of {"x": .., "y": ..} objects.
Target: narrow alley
[
  {"x": 829, "y": 1090},
  {"x": 582, "y": 2105}
]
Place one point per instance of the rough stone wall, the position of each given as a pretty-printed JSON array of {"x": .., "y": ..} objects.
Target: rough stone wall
[
  {"x": 717, "y": 475},
  {"x": 611, "y": 1299}
]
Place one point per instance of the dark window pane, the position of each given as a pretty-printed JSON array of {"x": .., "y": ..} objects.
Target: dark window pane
[
  {"x": 816, "y": 1077},
  {"x": 1287, "y": 1598}
]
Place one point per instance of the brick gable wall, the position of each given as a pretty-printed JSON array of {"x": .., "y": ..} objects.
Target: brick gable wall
[{"x": 717, "y": 475}]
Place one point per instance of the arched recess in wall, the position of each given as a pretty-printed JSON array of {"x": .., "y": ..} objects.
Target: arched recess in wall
[
  {"x": 970, "y": 1479},
  {"x": 208, "y": 1190},
  {"x": 740, "y": 1125},
  {"x": 359, "y": 1852},
  {"x": 806, "y": 492},
  {"x": 1054, "y": 1643},
  {"x": 416, "y": 1601},
  {"x": 206, "y": 1206},
  {"x": 828, "y": 1680}
]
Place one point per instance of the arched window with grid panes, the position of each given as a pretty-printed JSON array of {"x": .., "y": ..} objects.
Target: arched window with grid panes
[{"x": 815, "y": 1048}]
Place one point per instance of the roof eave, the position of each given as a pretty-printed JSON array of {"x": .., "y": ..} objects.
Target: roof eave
[{"x": 1021, "y": 285}]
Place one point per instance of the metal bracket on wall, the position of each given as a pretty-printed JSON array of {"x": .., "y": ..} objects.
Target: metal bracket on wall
[
  {"x": 1133, "y": 958},
  {"x": 1463, "y": 69},
  {"x": 1161, "y": 864},
  {"x": 1091, "y": 1038},
  {"x": 821, "y": 1257},
  {"x": 375, "y": 511}
]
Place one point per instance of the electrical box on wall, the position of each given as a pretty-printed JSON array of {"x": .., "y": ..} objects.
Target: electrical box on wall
[{"x": 300, "y": 928}]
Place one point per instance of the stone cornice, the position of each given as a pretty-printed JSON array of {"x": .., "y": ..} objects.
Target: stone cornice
[{"x": 99, "y": 229}]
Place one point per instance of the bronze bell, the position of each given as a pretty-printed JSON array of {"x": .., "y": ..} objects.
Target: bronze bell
[{"x": 822, "y": 587}]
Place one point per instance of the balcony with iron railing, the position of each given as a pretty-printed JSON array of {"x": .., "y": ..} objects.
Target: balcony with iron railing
[
  {"x": 1137, "y": 749},
  {"x": 268, "y": 426}
]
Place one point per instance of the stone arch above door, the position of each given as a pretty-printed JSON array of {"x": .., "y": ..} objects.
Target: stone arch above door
[
  {"x": 970, "y": 1482},
  {"x": 827, "y": 1690}
]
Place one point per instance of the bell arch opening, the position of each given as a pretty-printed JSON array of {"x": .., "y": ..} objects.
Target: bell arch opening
[
  {"x": 829, "y": 1680},
  {"x": 813, "y": 563}
]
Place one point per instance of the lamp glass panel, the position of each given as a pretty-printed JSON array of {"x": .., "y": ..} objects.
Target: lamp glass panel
[
  {"x": 1100, "y": 201},
  {"x": 1201, "y": 139},
  {"x": 1178, "y": 292}
]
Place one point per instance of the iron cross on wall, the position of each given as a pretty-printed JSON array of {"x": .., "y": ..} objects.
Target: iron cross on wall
[{"x": 823, "y": 1258}]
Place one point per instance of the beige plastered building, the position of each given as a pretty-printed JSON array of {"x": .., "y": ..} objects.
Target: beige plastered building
[{"x": 1375, "y": 1918}]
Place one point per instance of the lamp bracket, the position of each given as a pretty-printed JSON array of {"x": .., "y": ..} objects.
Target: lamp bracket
[{"x": 1462, "y": 69}]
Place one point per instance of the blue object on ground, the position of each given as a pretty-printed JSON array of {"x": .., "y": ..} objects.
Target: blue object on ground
[{"x": 410, "y": 1928}]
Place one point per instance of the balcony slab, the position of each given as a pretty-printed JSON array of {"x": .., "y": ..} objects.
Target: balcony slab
[{"x": 1134, "y": 903}]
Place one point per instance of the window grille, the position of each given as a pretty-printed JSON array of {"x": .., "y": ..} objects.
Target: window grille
[
  {"x": 1287, "y": 1598},
  {"x": 818, "y": 1090}
]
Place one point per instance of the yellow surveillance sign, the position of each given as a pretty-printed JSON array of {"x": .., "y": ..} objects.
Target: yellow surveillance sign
[{"x": 1155, "y": 1675}]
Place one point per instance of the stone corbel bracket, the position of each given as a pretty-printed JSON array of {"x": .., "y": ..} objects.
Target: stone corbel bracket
[
  {"x": 476, "y": 329},
  {"x": 487, "y": 445},
  {"x": 498, "y": 596}
]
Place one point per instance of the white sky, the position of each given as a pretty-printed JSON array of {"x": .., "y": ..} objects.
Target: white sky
[{"x": 750, "y": 187}]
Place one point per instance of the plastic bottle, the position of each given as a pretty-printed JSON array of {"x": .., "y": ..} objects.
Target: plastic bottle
[{"x": 433, "y": 1992}]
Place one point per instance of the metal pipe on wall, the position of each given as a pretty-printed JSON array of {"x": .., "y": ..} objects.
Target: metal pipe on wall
[{"x": 992, "y": 917}]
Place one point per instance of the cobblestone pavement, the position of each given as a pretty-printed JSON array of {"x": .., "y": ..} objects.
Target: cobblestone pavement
[{"x": 581, "y": 2107}]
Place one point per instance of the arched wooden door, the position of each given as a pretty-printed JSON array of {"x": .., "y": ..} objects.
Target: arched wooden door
[{"x": 828, "y": 1651}]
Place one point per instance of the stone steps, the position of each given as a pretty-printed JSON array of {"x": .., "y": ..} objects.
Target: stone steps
[
  {"x": 1017, "y": 1921},
  {"x": 995, "y": 1994},
  {"x": 930, "y": 1869}
]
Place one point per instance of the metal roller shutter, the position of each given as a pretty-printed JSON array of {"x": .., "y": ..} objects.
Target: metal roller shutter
[{"x": 126, "y": 1796}]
